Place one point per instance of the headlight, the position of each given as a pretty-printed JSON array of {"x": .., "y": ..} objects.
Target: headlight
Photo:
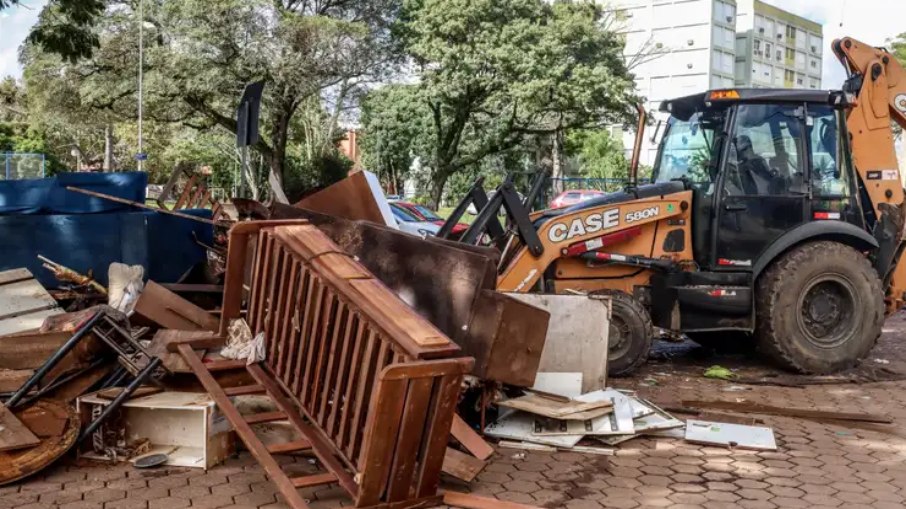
[{"x": 425, "y": 233}]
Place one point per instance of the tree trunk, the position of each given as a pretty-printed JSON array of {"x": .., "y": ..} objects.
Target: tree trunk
[
  {"x": 557, "y": 161},
  {"x": 438, "y": 182},
  {"x": 108, "y": 148}
]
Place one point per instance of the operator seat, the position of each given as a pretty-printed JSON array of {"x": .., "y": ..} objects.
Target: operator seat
[{"x": 754, "y": 172}]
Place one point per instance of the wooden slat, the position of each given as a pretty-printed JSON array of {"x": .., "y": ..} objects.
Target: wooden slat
[
  {"x": 224, "y": 365},
  {"x": 282, "y": 325},
  {"x": 314, "y": 345},
  {"x": 388, "y": 403},
  {"x": 243, "y": 390},
  {"x": 271, "y": 302},
  {"x": 295, "y": 337},
  {"x": 327, "y": 331},
  {"x": 340, "y": 411},
  {"x": 321, "y": 447},
  {"x": 13, "y": 434},
  {"x": 409, "y": 440},
  {"x": 309, "y": 318},
  {"x": 330, "y": 380},
  {"x": 287, "y": 447},
  {"x": 184, "y": 195},
  {"x": 265, "y": 417},
  {"x": 470, "y": 439},
  {"x": 440, "y": 417},
  {"x": 471, "y": 501},
  {"x": 365, "y": 372},
  {"x": 314, "y": 480},
  {"x": 171, "y": 311},
  {"x": 462, "y": 466},
  {"x": 244, "y": 430}
]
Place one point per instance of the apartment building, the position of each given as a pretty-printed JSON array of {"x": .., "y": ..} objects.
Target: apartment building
[
  {"x": 775, "y": 48},
  {"x": 682, "y": 47}
]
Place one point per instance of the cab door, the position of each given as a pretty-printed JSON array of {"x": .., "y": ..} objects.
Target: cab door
[{"x": 763, "y": 190}]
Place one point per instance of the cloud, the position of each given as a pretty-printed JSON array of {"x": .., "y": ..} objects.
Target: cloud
[
  {"x": 15, "y": 23},
  {"x": 875, "y": 22}
]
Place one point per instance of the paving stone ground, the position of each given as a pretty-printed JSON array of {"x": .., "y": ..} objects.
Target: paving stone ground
[{"x": 817, "y": 465}]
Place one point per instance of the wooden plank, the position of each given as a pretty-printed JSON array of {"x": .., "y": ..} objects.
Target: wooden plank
[
  {"x": 461, "y": 465},
  {"x": 265, "y": 417},
  {"x": 470, "y": 439},
  {"x": 171, "y": 311},
  {"x": 757, "y": 408},
  {"x": 314, "y": 480},
  {"x": 383, "y": 422},
  {"x": 554, "y": 408},
  {"x": 470, "y": 501},
  {"x": 244, "y": 430},
  {"x": 15, "y": 275},
  {"x": 12, "y": 379},
  {"x": 440, "y": 418},
  {"x": 339, "y": 414},
  {"x": 409, "y": 439},
  {"x": 287, "y": 447},
  {"x": 244, "y": 390},
  {"x": 111, "y": 393},
  {"x": 358, "y": 196},
  {"x": 29, "y": 350},
  {"x": 24, "y": 303},
  {"x": 222, "y": 365},
  {"x": 279, "y": 310},
  {"x": 13, "y": 434}
]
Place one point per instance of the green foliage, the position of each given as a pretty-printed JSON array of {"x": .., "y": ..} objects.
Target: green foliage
[
  {"x": 598, "y": 154},
  {"x": 898, "y": 48},
  {"x": 495, "y": 73}
]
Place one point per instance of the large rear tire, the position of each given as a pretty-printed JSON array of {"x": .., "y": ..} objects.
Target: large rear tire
[
  {"x": 630, "y": 335},
  {"x": 819, "y": 308}
]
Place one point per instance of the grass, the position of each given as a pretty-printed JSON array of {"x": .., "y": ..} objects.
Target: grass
[{"x": 445, "y": 212}]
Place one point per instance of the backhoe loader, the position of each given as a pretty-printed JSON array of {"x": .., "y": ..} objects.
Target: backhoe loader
[{"x": 774, "y": 212}]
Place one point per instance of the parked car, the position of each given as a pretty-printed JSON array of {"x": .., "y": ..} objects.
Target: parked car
[
  {"x": 411, "y": 223},
  {"x": 427, "y": 214},
  {"x": 574, "y": 196}
]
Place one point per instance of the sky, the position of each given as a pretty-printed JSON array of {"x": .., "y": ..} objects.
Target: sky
[{"x": 872, "y": 21}]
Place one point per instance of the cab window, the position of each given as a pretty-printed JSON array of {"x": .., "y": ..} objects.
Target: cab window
[
  {"x": 764, "y": 156},
  {"x": 828, "y": 180}
]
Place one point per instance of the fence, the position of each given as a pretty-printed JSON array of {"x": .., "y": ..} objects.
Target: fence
[{"x": 20, "y": 166}]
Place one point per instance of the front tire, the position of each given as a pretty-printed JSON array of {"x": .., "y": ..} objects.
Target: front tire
[
  {"x": 819, "y": 308},
  {"x": 630, "y": 335}
]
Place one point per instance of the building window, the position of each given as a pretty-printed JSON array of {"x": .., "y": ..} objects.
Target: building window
[
  {"x": 791, "y": 32},
  {"x": 757, "y": 45},
  {"x": 814, "y": 64}
]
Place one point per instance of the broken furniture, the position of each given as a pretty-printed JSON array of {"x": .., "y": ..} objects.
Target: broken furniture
[
  {"x": 24, "y": 303},
  {"x": 104, "y": 324},
  {"x": 450, "y": 284},
  {"x": 186, "y": 427},
  {"x": 369, "y": 384},
  {"x": 193, "y": 193},
  {"x": 56, "y": 425}
]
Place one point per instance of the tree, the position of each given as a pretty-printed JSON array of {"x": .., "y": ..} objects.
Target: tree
[
  {"x": 64, "y": 27},
  {"x": 598, "y": 154},
  {"x": 396, "y": 132},
  {"x": 494, "y": 72},
  {"x": 313, "y": 55}
]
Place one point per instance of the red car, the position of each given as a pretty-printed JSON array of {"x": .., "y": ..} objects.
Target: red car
[
  {"x": 426, "y": 214},
  {"x": 572, "y": 197}
]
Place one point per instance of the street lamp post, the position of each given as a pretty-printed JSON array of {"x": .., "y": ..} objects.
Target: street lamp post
[{"x": 141, "y": 65}]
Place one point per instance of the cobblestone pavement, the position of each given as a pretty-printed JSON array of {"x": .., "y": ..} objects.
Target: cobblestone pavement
[{"x": 817, "y": 465}]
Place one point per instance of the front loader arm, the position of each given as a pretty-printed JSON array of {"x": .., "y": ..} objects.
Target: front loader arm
[
  {"x": 557, "y": 234},
  {"x": 878, "y": 82}
]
